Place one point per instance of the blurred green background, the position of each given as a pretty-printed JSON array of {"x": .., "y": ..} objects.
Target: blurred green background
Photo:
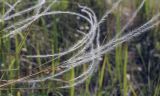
[{"x": 132, "y": 69}]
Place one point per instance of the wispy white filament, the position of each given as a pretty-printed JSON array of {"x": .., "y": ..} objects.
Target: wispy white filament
[{"x": 86, "y": 50}]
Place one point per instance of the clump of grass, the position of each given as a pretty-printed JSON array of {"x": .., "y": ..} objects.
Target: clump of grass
[{"x": 88, "y": 50}]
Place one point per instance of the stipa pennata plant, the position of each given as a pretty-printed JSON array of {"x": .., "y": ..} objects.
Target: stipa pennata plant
[{"x": 88, "y": 50}]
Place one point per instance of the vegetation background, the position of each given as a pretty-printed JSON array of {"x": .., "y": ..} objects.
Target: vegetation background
[{"x": 131, "y": 69}]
